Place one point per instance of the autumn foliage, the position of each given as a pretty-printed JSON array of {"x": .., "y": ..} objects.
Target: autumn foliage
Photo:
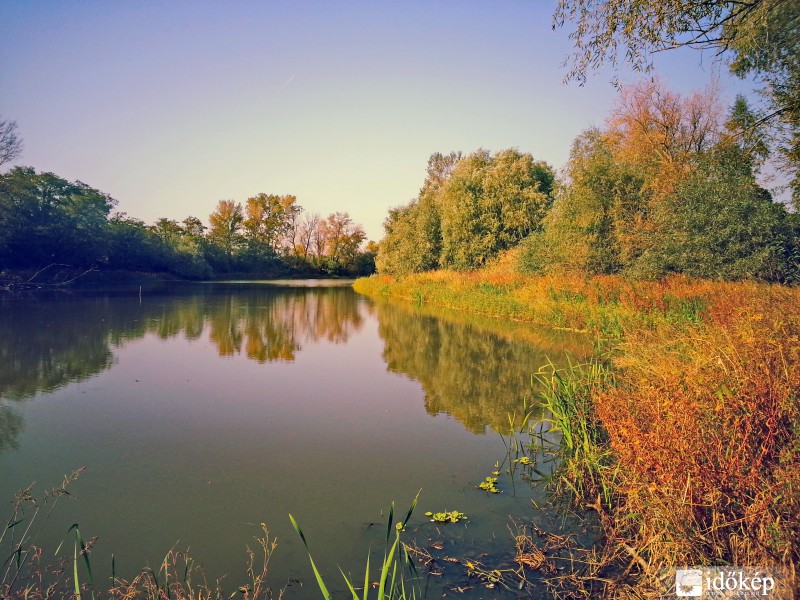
[
  {"x": 703, "y": 419},
  {"x": 704, "y": 424}
]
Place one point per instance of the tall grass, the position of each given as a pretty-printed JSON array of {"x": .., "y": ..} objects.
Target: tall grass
[
  {"x": 694, "y": 445},
  {"x": 28, "y": 574},
  {"x": 180, "y": 577},
  {"x": 398, "y": 578},
  {"x": 586, "y": 465},
  {"x": 21, "y": 572}
]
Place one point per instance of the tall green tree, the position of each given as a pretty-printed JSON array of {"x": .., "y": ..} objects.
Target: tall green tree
[
  {"x": 583, "y": 230},
  {"x": 720, "y": 224},
  {"x": 267, "y": 217},
  {"x": 490, "y": 203},
  {"x": 413, "y": 234},
  {"x": 470, "y": 208},
  {"x": 45, "y": 219}
]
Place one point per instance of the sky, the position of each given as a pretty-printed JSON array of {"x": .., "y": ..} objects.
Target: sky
[{"x": 170, "y": 107}]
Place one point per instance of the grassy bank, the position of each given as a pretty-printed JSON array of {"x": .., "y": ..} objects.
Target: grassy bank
[
  {"x": 699, "y": 429},
  {"x": 605, "y": 306}
]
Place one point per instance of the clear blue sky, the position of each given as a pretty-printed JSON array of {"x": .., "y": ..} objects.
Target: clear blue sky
[{"x": 172, "y": 106}]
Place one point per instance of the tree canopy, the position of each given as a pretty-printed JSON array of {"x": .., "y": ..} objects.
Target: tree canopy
[
  {"x": 668, "y": 186},
  {"x": 470, "y": 208},
  {"x": 760, "y": 37},
  {"x": 46, "y": 220}
]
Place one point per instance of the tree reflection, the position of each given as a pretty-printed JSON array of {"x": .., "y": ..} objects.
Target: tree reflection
[
  {"x": 50, "y": 340},
  {"x": 10, "y": 427},
  {"x": 272, "y": 326},
  {"x": 477, "y": 370}
]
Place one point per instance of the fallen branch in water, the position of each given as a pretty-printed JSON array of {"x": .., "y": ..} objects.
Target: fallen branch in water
[{"x": 30, "y": 283}]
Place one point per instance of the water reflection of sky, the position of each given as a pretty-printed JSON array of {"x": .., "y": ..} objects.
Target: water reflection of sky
[{"x": 190, "y": 435}]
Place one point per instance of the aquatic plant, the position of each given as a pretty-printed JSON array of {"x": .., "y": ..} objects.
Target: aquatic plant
[
  {"x": 398, "y": 575},
  {"x": 445, "y": 516},
  {"x": 490, "y": 485},
  {"x": 586, "y": 464}
]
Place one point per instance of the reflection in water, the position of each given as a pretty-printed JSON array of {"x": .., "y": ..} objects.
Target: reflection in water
[
  {"x": 42, "y": 347},
  {"x": 475, "y": 369},
  {"x": 10, "y": 427},
  {"x": 50, "y": 340},
  {"x": 478, "y": 370},
  {"x": 205, "y": 408}
]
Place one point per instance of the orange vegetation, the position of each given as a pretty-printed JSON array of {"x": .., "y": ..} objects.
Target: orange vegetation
[{"x": 703, "y": 420}]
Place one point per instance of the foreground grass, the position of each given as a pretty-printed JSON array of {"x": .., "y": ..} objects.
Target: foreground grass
[
  {"x": 27, "y": 573},
  {"x": 692, "y": 455}
]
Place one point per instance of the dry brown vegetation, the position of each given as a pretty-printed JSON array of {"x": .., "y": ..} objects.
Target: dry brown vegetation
[{"x": 702, "y": 421}]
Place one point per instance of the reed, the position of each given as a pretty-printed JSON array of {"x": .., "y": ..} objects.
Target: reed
[
  {"x": 586, "y": 464},
  {"x": 398, "y": 578}
]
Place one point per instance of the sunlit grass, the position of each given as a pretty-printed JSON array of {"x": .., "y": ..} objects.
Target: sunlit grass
[{"x": 694, "y": 445}]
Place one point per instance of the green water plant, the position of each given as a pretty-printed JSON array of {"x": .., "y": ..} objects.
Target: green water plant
[
  {"x": 452, "y": 516},
  {"x": 398, "y": 579},
  {"x": 490, "y": 485}
]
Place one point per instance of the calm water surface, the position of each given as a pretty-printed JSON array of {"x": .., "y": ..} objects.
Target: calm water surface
[{"x": 201, "y": 410}]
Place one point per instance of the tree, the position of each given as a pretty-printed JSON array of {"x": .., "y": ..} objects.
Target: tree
[
  {"x": 489, "y": 204},
  {"x": 341, "y": 239},
  {"x": 721, "y": 224},
  {"x": 655, "y": 137},
  {"x": 133, "y": 245},
  {"x": 10, "y": 142},
  {"x": 168, "y": 230},
  {"x": 656, "y": 129},
  {"x": 267, "y": 218},
  {"x": 413, "y": 240},
  {"x": 46, "y": 219},
  {"x": 586, "y": 226},
  {"x": 307, "y": 229},
  {"x": 193, "y": 227},
  {"x": 226, "y": 223},
  {"x": 469, "y": 209},
  {"x": 763, "y": 37}
]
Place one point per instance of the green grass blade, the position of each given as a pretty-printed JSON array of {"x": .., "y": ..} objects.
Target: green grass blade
[
  {"x": 411, "y": 508},
  {"x": 349, "y": 585},
  {"x": 75, "y": 572},
  {"x": 389, "y": 523},
  {"x": 366, "y": 579},
  {"x": 320, "y": 582},
  {"x": 387, "y": 562},
  {"x": 86, "y": 560}
]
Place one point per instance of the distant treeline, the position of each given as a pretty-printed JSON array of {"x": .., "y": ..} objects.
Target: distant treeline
[
  {"x": 46, "y": 220},
  {"x": 669, "y": 185}
]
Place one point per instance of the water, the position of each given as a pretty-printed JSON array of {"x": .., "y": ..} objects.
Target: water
[{"x": 202, "y": 410}]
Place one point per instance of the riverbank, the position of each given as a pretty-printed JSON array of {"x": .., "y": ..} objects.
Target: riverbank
[
  {"x": 64, "y": 276},
  {"x": 699, "y": 427}
]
